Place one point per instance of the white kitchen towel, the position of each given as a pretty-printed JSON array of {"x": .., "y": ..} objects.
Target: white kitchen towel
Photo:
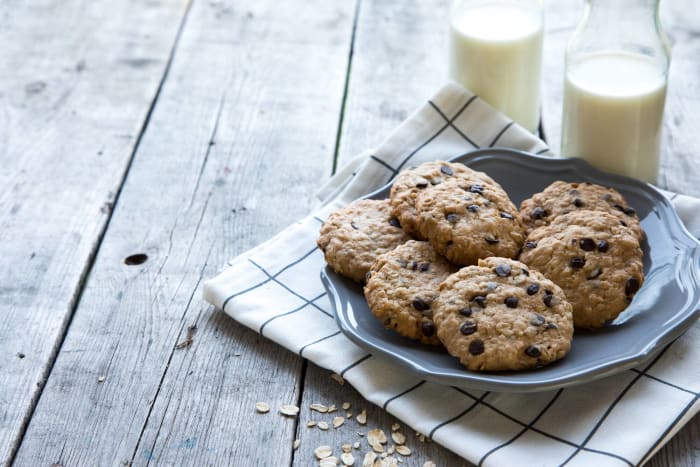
[{"x": 275, "y": 290}]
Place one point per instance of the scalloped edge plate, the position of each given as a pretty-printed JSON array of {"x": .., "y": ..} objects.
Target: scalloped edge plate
[{"x": 663, "y": 309}]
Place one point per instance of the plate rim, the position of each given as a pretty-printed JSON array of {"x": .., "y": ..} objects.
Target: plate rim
[{"x": 495, "y": 382}]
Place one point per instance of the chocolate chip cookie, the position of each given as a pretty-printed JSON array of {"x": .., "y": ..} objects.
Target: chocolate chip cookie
[
  {"x": 411, "y": 182},
  {"x": 562, "y": 197},
  {"x": 401, "y": 287},
  {"x": 500, "y": 315},
  {"x": 465, "y": 221},
  {"x": 593, "y": 258},
  {"x": 352, "y": 237}
]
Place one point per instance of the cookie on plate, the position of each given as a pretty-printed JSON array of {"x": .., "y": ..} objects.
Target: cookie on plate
[
  {"x": 352, "y": 237},
  {"x": 401, "y": 287},
  {"x": 411, "y": 182},
  {"x": 466, "y": 221},
  {"x": 500, "y": 315},
  {"x": 593, "y": 258},
  {"x": 562, "y": 197}
]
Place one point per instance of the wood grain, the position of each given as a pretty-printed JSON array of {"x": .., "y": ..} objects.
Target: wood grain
[
  {"x": 244, "y": 127},
  {"x": 399, "y": 61},
  {"x": 78, "y": 83}
]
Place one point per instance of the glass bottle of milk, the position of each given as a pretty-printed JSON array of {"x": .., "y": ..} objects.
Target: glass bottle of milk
[
  {"x": 496, "y": 52},
  {"x": 615, "y": 87}
]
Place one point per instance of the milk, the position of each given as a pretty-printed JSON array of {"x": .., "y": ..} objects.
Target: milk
[
  {"x": 496, "y": 52},
  {"x": 613, "y": 113}
]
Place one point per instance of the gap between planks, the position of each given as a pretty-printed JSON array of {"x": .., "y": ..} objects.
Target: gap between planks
[{"x": 336, "y": 149}]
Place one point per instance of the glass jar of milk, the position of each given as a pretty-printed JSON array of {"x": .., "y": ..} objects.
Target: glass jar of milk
[
  {"x": 615, "y": 87},
  {"x": 496, "y": 52}
]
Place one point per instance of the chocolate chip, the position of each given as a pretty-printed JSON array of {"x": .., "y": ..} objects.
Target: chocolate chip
[
  {"x": 419, "y": 304},
  {"x": 491, "y": 239},
  {"x": 476, "y": 347},
  {"x": 473, "y": 208},
  {"x": 424, "y": 267},
  {"x": 414, "y": 265},
  {"x": 511, "y": 302},
  {"x": 532, "y": 289},
  {"x": 550, "y": 326},
  {"x": 587, "y": 244},
  {"x": 421, "y": 185},
  {"x": 491, "y": 286},
  {"x": 625, "y": 209},
  {"x": 548, "y": 298},
  {"x": 352, "y": 224},
  {"x": 402, "y": 262},
  {"x": 538, "y": 213},
  {"x": 368, "y": 274},
  {"x": 538, "y": 320},
  {"x": 452, "y": 218},
  {"x": 574, "y": 192},
  {"x": 468, "y": 327},
  {"x": 607, "y": 197},
  {"x": 631, "y": 286},
  {"x": 533, "y": 351},
  {"x": 480, "y": 300},
  {"x": 466, "y": 311},
  {"x": 525, "y": 272},
  {"x": 530, "y": 244},
  {"x": 446, "y": 170},
  {"x": 395, "y": 222},
  {"x": 476, "y": 188},
  {"x": 502, "y": 270},
  {"x": 577, "y": 262},
  {"x": 449, "y": 242},
  {"x": 428, "y": 328},
  {"x": 505, "y": 215},
  {"x": 603, "y": 246},
  {"x": 578, "y": 202},
  {"x": 595, "y": 273},
  {"x": 623, "y": 223}
]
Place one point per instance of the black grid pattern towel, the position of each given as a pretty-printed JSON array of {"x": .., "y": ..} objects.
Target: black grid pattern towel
[{"x": 275, "y": 290}]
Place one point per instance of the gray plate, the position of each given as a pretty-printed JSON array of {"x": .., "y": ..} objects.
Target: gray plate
[{"x": 662, "y": 310}]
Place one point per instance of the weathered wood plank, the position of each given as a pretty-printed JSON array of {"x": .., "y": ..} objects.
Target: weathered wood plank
[
  {"x": 78, "y": 83},
  {"x": 399, "y": 59},
  {"x": 243, "y": 129},
  {"x": 680, "y": 165}
]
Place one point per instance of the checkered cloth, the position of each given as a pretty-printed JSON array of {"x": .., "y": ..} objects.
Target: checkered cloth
[{"x": 275, "y": 290}]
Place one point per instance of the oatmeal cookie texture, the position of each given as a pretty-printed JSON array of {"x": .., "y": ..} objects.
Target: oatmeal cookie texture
[
  {"x": 466, "y": 220},
  {"x": 411, "y": 182},
  {"x": 352, "y": 237},
  {"x": 593, "y": 258},
  {"x": 401, "y": 287},
  {"x": 500, "y": 315},
  {"x": 562, "y": 198}
]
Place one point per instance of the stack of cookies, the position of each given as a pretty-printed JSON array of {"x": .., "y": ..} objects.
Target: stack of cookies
[
  {"x": 585, "y": 238},
  {"x": 438, "y": 259}
]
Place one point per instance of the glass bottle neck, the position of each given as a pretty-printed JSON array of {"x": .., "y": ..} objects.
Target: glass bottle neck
[{"x": 630, "y": 26}]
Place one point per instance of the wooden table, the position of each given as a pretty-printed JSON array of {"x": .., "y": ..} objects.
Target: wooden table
[{"x": 145, "y": 143}]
